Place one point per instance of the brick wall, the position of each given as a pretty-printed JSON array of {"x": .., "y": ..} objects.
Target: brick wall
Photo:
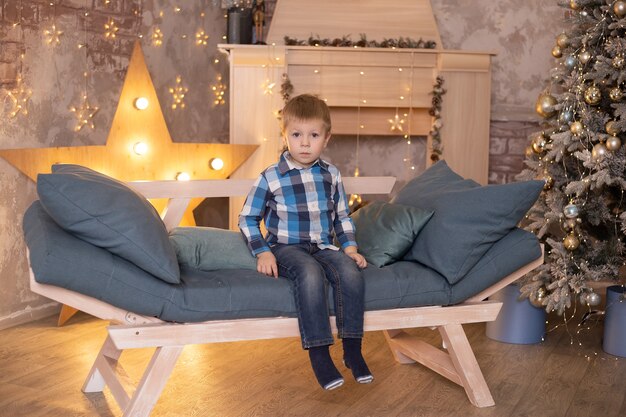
[{"x": 507, "y": 147}]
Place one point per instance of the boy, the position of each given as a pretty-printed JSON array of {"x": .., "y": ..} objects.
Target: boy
[{"x": 302, "y": 201}]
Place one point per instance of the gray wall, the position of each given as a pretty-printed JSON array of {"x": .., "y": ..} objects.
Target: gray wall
[{"x": 521, "y": 33}]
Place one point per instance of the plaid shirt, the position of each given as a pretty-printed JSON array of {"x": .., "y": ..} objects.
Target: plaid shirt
[{"x": 298, "y": 205}]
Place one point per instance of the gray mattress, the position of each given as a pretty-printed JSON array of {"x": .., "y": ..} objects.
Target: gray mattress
[{"x": 59, "y": 258}]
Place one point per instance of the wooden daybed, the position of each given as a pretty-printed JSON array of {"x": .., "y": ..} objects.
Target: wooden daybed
[{"x": 129, "y": 330}]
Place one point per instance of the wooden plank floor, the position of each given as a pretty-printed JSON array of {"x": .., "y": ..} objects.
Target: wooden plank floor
[{"x": 42, "y": 368}]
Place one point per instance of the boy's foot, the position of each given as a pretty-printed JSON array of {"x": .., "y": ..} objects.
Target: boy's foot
[
  {"x": 353, "y": 359},
  {"x": 325, "y": 371}
]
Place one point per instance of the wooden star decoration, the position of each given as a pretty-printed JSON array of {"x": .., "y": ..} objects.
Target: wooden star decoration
[{"x": 162, "y": 160}]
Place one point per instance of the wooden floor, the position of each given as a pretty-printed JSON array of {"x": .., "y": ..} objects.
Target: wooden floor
[{"x": 42, "y": 368}]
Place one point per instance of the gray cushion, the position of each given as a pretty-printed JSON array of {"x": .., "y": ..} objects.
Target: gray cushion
[
  {"x": 210, "y": 248},
  {"x": 385, "y": 232},
  {"x": 108, "y": 214},
  {"x": 468, "y": 218}
]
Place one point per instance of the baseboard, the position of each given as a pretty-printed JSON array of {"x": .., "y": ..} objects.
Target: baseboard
[{"x": 29, "y": 314}]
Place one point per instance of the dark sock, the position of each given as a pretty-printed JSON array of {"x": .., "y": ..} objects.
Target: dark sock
[
  {"x": 325, "y": 371},
  {"x": 353, "y": 359}
]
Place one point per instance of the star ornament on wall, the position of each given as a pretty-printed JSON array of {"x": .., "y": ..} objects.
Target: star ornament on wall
[
  {"x": 84, "y": 114},
  {"x": 396, "y": 123},
  {"x": 139, "y": 146},
  {"x": 19, "y": 99}
]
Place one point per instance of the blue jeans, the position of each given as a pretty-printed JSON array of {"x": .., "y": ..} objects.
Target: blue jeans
[{"x": 311, "y": 269}]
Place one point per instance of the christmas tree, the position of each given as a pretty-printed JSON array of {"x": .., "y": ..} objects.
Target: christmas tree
[{"x": 581, "y": 215}]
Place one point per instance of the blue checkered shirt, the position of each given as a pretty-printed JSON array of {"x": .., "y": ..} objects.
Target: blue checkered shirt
[{"x": 298, "y": 205}]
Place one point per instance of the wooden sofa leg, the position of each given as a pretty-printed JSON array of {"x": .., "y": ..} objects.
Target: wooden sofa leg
[
  {"x": 466, "y": 365},
  {"x": 106, "y": 371},
  {"x": 95, "y": 381},
  {"x": 395, "y": 350},
  {"x": 153, "y": 381}
]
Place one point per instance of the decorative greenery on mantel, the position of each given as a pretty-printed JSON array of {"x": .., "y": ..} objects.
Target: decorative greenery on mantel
[{"x": 346, "y": 41}]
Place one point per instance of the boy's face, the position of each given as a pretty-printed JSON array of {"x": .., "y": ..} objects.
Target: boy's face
[{"x": 306, "y": 139}]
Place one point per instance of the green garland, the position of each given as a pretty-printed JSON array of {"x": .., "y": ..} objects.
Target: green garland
[
  {"x": 435, "y": 112},
  {"x": 345, "y": 41},
  {"x": 286, "y": 89}
]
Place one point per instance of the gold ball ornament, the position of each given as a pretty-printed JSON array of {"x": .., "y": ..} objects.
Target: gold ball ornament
[
  {"x": 598, "y": 152},
  {"x": 584, "y": 56},
  {"x": 539, "y": 143},
  {"x": 613, "y": 143},
  {"x": 618, "y": 62},
  {"x": 619, "y": 8},
  {"x": 537, "y": 297},
  {"x": 573, "y": 4},
  {"x": 616, "y": 94},
  {"x": 545, "y": 105},
  {"x": 611, "y": 128},
  {"x": 548, "y": 182},
  {"x": 557, "y": 52},
  {"x": 576, "y": 128},
  {"x": 562, "y": 40},
  {"x": 593, "y": 95},
  {"x": 571, "y": 242}
]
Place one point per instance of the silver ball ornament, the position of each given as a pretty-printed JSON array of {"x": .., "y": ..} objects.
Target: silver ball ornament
[
  {"x": 570, "y": 62},
  {"x": 598, "y": 152},
  {"x": 571, "y": 211},
  {"x": 613, "y": 143},
  {"x": 566, "y": 116},
  {"x": 593, "y": 299}
]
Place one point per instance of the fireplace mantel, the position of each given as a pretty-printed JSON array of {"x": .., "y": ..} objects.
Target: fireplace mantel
[{"x": 363, "y": 86}]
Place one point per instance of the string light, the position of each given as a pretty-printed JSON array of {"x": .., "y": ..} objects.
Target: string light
[
  {"x": 84, "y": 114},
  {"x": 110, "y": 29},
  {"x": 52, "y": 35},
  {"x": 178, "y": 94},
  {"x": 219, "y": 90},
  {"x": 19, "y": 98},
  {"x": 156, "y": 36}
]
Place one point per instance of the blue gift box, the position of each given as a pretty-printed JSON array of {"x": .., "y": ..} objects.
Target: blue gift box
[
  {"x": 519, "y": 321},
  {"x": 615, "y": 321}
]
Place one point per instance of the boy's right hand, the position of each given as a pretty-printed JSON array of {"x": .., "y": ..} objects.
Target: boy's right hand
[{"x": 266, "y": 264}]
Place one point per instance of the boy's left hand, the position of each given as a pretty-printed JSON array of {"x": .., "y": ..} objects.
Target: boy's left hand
[{"x": 357, "y": 257}]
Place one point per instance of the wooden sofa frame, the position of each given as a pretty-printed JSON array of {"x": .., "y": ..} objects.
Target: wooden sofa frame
[{"x": 129, "y": 330}]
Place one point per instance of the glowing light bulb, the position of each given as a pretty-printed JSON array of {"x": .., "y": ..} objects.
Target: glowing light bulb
[
  {"x": 216, "y": 164},
  {"x": 182, "y": 176},
  {"x": 140, "y": 148},
  {"x": 141, "y": 103}
]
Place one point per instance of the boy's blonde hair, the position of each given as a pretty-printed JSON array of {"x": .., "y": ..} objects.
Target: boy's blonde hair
[{"x": 305, "y": 107}]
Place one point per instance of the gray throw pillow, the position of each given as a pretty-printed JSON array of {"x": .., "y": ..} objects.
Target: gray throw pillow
[
  {"x": 106, "y": 213},
  {"x": 209, "y": 248},
  {"x": 468, "y": 218},
  {"x": 385, "y": 232}
]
